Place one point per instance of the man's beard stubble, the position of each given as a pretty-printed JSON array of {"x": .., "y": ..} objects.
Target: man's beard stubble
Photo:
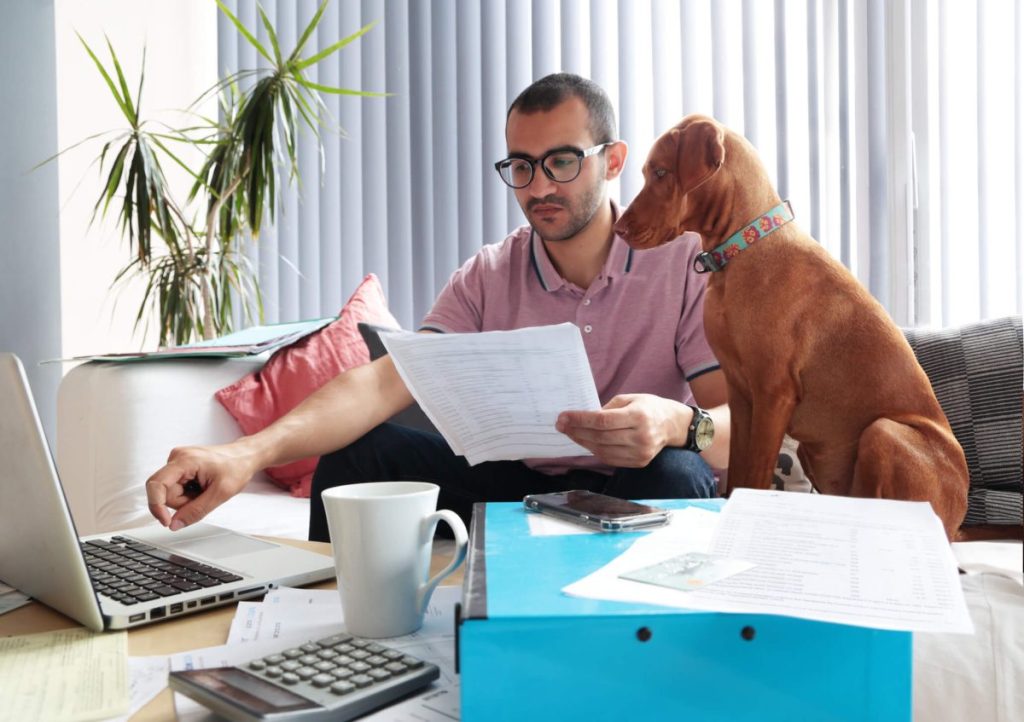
[{"x": 581, "y": 213}]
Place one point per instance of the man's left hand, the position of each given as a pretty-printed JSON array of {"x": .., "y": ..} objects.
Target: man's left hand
[{"x": 630, "y": 430}]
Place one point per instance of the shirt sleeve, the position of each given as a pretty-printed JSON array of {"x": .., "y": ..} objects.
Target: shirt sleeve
[
  {"x": 458, "y": 308},
  {"x": 693, "y": 353}
]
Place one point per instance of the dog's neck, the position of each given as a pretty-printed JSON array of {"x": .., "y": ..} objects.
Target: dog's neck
[{"x": 765, "y": 224}]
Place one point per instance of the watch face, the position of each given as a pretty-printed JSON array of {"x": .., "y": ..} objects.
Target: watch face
[{"x": 704, "y": 432}]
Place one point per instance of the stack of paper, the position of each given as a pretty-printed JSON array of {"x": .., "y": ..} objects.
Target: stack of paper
[
  {"x": 247, "y": 342},
  {"x": 496, "y": 395},
  {"x": 865, "y": 562}
]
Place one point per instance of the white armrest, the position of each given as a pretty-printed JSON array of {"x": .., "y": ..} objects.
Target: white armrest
[{"x": 117, "y": 422}]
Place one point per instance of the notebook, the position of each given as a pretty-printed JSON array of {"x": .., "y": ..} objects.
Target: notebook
[{"x": 167, "y": 574}]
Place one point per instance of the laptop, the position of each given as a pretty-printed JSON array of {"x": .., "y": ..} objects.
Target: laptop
[{"x": 121, "y": 580}]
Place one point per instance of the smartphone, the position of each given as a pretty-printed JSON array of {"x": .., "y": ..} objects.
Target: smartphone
[{"x": 597, "y": 511}]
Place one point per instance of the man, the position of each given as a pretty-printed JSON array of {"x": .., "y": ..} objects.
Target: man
[{"x": 640, "y": 314}]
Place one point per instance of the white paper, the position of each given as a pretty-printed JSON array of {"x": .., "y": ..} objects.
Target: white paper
[
  {"x": 147, "y": 677},
  {"x": 865, "y": 562},
  {"x": 290, "y": 617},
  {"x": 496, "y": 395}
]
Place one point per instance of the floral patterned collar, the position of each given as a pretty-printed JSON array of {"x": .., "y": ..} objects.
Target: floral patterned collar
[{"x": 747, "y": 236}]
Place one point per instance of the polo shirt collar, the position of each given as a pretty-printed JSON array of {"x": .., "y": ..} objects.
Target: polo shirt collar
[{"x": 619, "y": 261}]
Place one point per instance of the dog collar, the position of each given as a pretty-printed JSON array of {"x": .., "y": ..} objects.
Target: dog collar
[{"x": 742, "y": 239}]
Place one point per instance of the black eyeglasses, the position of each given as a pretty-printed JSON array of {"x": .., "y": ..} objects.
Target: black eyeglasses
[{"x": 561, "y": 165}]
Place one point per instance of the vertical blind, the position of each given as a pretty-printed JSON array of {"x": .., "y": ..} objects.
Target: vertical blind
[{"x": 860, "y": 111}]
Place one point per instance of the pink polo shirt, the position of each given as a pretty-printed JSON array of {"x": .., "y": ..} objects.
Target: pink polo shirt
[{"x": 641, "y": 319}]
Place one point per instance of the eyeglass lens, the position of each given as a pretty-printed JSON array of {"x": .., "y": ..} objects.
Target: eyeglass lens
[{"x": 561, "y": 167}]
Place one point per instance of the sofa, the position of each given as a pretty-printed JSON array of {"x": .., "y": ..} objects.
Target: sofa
[{"x": 117, "y": 422}]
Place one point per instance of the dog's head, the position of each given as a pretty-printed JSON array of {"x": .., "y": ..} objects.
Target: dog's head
[{"x": 687, "y": 184}]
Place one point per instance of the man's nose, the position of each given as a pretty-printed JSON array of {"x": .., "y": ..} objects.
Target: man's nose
[{"x": 540, "y": 184}]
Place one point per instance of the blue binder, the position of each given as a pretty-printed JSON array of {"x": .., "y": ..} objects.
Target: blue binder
[{"x": 528, "y": 652}]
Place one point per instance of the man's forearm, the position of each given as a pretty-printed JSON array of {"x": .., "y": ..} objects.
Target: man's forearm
[{"x": 337, "y": 414}]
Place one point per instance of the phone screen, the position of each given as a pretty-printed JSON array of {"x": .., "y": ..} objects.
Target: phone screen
[{"x": 600, "y": 505}]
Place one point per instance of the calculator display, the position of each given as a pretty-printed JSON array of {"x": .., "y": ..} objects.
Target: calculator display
[{"x": 248, "y": 691}]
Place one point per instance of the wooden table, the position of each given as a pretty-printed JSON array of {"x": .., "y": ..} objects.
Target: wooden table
[{"x": 194, "y": 631}]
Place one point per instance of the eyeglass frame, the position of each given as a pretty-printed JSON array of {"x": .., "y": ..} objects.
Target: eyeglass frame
[{"x": 581, "y": 155}]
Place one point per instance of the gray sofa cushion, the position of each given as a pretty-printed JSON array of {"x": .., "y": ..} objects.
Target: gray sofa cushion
[
  {"x": 977, "y": 371},
  {"x": 412, "y": 416}
]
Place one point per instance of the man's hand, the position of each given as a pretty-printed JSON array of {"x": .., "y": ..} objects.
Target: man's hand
[
  {"x": 195, "y": 481},
  {"x": 630, "y": 430}
]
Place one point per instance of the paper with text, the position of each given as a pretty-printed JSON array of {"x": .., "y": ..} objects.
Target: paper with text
[
  {"x": 864, "y": 562},
  {"x": 70, "y": 674},
  {"x": 496, "y": 395}
]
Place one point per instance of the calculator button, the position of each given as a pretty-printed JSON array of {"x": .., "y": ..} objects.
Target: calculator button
[
  {"x": 374, "y": 648},
  {"x": 325, "y": 666},
  {"x": 290, "y": 678},
  {"x": 290, "y": 666},
  {"x": 358, "y": 654},
  {"x": 275, "y": 659},
  {"x": 379, "y": 674},
  {"x": 361, "y": 680},
  {"x": 310, "y": 647},
  {"x": 322, "y": 680},
  {"x": 342, "y": 687},
  {"x": 257, "y": 664},
  {"x": 412, "y": 662},
  {"x": 272, "y": 672},
  {"x": 395, "y": 667},
  {"x": 305, "y": 673},
  {"x": 343, "y": 659},
  {"x": 376, "y": 660},
  {"x": 392, "y": 654},
  {"x": 327, "y": 654},
  {"x": 333, "y": 640},
  {"x": 342, "y": 673},
  {"x": 360, "y": 643},
  {"x": 359, "y": 666},
  {"x": 309, "y": 659},
  {"x": 344, "y": 648},
  {"x": 292, "y": 653}
]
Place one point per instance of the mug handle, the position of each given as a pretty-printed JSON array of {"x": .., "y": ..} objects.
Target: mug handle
[{"x": 461, "y": 546}]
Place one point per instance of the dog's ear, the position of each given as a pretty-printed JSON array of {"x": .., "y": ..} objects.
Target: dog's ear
[{"x": 700, "y": 152}]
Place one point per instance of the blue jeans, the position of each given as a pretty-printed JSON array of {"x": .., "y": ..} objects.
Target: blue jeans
[{"x": 393, "y": 452}]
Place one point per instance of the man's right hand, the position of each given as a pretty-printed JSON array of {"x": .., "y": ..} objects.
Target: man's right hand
[{"x": 217, "y": 473}]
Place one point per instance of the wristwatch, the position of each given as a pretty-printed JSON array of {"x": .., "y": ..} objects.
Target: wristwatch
[{"x": 702, "y": 430}]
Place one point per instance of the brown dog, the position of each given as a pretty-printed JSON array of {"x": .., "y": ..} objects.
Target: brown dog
[{"x": 804, "y": 347}]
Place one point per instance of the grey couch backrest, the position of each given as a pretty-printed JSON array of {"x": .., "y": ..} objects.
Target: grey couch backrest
[
  {"x": 412, "y": 416},
  {"x": 977, "y": 371}
]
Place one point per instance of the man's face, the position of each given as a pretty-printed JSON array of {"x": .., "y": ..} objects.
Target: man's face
[{"x": 557, "y": 211}]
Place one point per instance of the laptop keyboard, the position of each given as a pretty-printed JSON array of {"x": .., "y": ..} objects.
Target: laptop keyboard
[{"x": 133, "y": 572}]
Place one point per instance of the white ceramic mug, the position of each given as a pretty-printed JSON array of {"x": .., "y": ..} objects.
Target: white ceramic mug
[{"x": 381, "y": 535}]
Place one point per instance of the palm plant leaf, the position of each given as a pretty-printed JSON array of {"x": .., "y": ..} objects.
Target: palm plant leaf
[
  {"x": 308, "y": 32},
  {"x": 272, "y": 35},
  {"x": 127, "y": 110},
  {"x": 125, "y": 93},
  {"x": 303, "y": 64},
  {"x": 245, "y": 32}
]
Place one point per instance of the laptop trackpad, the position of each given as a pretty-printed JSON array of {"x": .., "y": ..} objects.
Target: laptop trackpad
[{"x": 221, "y": 546}]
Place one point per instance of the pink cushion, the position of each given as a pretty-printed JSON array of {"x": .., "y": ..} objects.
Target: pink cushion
[{"x": 296, "y": 371}]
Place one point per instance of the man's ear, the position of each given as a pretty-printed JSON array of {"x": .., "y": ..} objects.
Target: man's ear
[
  {"x": 615, "y": 159},
  {"x": 700, "y": 152}
]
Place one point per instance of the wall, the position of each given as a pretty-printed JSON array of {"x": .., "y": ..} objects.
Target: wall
[{"x": 180, "y": 41}]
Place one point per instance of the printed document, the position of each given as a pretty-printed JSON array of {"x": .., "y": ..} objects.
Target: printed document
[
  {"x": 71, "y": 674},
  {"x": 496, "y": 395},
  {"x": 865, "y": 562}
]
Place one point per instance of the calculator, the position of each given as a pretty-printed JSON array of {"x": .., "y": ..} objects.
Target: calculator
[{"x": 337, "y": 678}]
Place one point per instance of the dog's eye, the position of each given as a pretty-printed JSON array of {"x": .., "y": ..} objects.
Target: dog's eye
[{"x": 660, "y": 172}]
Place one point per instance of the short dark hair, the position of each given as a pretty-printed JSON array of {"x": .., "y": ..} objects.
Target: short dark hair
[{"x": 554, "y": 89}]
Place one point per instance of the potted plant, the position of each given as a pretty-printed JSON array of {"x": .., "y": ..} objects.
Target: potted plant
[{"x": 190, "y": 253}]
